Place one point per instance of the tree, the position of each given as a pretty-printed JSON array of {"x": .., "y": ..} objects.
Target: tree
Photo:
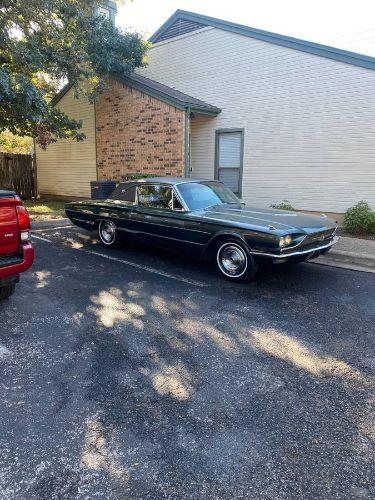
[
  {"x": 10, "y": 143},
  {"x": 46, "y": 42}
]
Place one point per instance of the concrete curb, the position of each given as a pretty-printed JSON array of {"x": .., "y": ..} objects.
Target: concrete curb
[
  {"x": 343, "y": 265},
  {"x": 357, "y": 261}
]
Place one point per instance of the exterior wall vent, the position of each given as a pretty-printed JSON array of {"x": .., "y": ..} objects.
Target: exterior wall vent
[{"x": 179, "y": 27}]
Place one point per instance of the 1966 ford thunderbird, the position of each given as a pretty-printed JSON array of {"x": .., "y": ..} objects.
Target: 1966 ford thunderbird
[{"x": 206, "y": 218}]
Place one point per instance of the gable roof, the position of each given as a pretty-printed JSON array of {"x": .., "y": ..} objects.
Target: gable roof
[
  {"x": 183, "y": 22},
  {"x": 159, "y": 91}
]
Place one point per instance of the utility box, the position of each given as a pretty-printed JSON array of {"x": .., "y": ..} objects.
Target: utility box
[{"x": 100, "y": 190}]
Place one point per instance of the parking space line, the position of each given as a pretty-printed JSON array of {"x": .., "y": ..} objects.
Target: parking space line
[
  {"x": 133, "y": 264},
  {"x": 40, "y": 238},
  {"x": 52, "y": 228},
  {"x": 146, "y": 268}
]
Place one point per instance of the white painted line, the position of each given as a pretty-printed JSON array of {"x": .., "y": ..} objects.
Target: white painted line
[
  {"x": 146, "y": 268},
  {"x": 53, "y": 228},
  {"x": 41, "y": 238},
  {"x": 133, "y": 264}
]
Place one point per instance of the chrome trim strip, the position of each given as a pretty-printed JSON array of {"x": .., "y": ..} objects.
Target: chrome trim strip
[
  {"x": 82, "y": 220},
  {"x": 301, "y": 252},
  {"x": 166, "y": 225},
  {"x": 137, "y": 232}
]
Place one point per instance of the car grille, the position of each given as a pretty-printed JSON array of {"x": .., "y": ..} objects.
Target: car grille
[
  {"x": 313, "y": 241},
  {"x": 320, "y": 237},
  {"x": 9, "y": 260}
]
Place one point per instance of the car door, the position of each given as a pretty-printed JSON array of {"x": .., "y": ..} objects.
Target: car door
[
  {"x": 149, "y": 215},
  {"x": 159, "y": 215}
]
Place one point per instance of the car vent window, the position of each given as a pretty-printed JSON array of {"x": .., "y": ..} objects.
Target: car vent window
[{"x": 176, "y": 203}]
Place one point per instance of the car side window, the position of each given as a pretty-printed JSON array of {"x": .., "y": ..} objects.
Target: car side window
[{"x": 155, "y": 196}]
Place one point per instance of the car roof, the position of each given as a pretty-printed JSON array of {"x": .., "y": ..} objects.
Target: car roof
[
  {"x": 6, "y": 192},
  {"x": 173, "y": 181}
]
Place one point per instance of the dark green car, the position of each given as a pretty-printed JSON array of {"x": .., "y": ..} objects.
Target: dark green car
[{"x": 207, "y": 219}]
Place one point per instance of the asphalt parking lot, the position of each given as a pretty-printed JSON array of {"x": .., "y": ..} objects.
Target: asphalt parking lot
[{"x": 140, "y": 374}]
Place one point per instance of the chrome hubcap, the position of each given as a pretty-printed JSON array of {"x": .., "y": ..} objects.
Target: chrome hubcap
[
  {"x": 107, "y": 232},
  {"x": 232, "y": 260}
]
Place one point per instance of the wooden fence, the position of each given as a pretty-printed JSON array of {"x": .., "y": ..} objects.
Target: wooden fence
[{"x": 18, "y": 173}]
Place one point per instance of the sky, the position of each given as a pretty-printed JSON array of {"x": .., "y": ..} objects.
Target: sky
[{"x": 346, "y": 24}]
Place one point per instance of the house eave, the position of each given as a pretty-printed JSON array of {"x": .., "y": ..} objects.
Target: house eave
[
  {"x": 56, "y": 98},
  {"x": 162, "y": 96}
]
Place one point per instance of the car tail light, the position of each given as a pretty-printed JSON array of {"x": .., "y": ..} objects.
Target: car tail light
[{"x": 23, "y": 223}]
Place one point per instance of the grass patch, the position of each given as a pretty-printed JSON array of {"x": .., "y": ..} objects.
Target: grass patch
[{"x": 45, "y": 209}]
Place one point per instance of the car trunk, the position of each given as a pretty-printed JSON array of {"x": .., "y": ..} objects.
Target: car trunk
[{"x": 9, "y": 238}]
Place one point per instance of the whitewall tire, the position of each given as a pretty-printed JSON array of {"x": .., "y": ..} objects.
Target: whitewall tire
[
  {"x": 108, "y": 234},
  {"x": 235, "y": 262}
]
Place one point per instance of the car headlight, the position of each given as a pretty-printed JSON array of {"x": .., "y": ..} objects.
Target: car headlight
[{"x": 285, "y": 240}]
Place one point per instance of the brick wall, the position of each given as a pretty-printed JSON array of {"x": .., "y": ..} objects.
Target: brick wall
[{"x": 136, "y": 133}]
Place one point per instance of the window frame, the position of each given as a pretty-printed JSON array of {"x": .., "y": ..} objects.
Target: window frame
[{"x": 240, "y": 168}]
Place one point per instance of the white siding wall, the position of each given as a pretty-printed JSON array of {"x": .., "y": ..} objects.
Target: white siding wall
[
  {"x": 66, "y": 167},
  {"x": 309, "y": 121}
]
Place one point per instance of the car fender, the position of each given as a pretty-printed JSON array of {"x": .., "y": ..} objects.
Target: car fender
[{"x": 220, "y": 236}]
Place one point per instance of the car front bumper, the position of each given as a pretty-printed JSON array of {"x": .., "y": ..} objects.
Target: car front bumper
[
  {"x": 308, "y": 254},
  {"x": 18, "y": 263}
]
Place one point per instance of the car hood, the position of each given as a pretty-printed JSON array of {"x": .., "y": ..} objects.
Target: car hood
[{"x": 282, "y": 221}]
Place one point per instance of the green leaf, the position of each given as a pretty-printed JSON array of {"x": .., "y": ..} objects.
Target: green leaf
[{"x": 46, "y": 43}]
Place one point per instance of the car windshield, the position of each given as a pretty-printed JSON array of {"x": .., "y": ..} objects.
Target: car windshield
[{"x": 199, "y": 195}]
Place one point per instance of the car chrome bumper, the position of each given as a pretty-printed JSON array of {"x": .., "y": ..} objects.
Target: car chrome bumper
[{"x": 297, "y": 252}]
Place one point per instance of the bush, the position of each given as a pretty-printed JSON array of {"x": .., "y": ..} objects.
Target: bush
[
  {"x": 284, "y": 205},
  {"x": 360, "y": 219},
  {"x": 135, "y": 176}
]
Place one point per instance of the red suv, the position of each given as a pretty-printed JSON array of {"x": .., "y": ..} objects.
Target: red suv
[{"x": 16, "y": 251}]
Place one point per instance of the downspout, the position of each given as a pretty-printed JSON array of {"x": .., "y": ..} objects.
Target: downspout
[{"x": 187, "y": 142}]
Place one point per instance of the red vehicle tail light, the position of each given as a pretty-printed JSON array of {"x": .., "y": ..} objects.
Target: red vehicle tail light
[{"x": 23, "y": 223}]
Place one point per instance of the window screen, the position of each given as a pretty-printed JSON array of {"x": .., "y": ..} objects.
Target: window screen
[{"x": 229, "y": 159}]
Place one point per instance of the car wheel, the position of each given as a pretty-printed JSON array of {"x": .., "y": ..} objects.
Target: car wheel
[
  {"x": 6, "y": 291},
  {"x": 108, "y": 234},
  {"x": 235, "y": 262}
]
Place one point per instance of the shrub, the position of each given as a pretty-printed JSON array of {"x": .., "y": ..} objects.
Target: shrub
[
  {"x": 135, "y": 176},
  {"x": 360, "y": 219},
  {"x": 284, "y": 205}
]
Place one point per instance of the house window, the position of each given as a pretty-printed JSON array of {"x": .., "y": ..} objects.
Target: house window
[{"x": 229, "y": 158}]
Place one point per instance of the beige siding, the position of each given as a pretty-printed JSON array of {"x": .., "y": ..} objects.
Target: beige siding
[
  {"x": 309, "y": 121},
  {"x": 67, "y": 167}
]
